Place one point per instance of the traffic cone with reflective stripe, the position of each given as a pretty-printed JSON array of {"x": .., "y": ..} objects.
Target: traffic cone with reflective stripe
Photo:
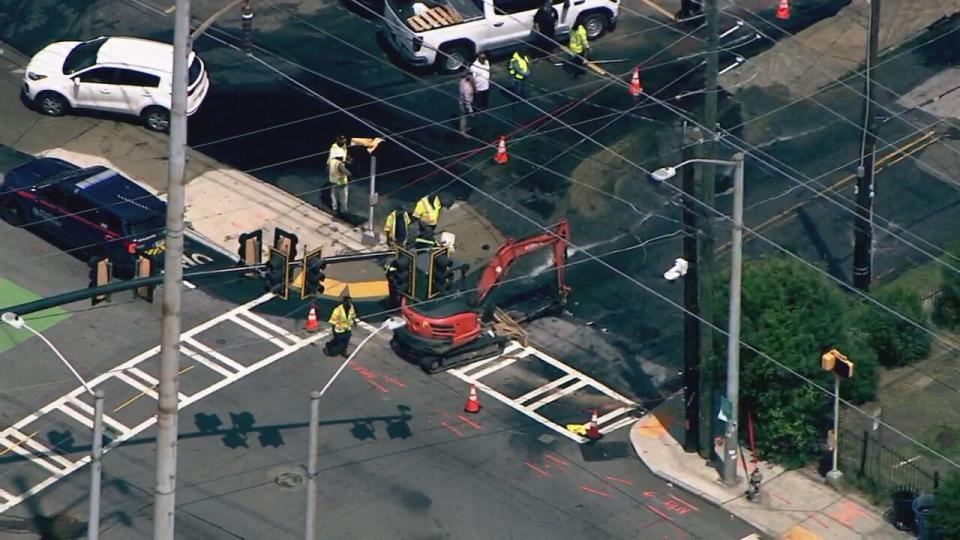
[
  {"x": 312, "y": 323},
  {"x": 473, "y": 403},
  {"x": 501, "y": 156},
  {"x": 593, "y": 429},
  {"x": 636, "y": 88},
  {"x": 783, "y": 10}
]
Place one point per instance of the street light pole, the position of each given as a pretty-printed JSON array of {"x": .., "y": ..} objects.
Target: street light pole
[
  {"x": 93, "y": 520},
  {"x": 731, "y": 439},
  {"x": 165, "y": 485},
  {"x": 835, "y": 474},
  {"x": 310, "y": 532},
  {"x": 732, "y": 443}
]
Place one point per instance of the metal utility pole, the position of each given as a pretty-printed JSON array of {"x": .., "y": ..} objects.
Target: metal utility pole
[
  {"x": 834, "y": 474},
  {"x": 96, "y": 467},
  {"x": 863, "y": 222},
  {"x": 691, "y": 324},
  {"x": 731, "y": 445},
  {"x": 370, "y": 236},
  {"x": 708, "y": 196},
  {"x": 310, "y": 530},
  {"x": 164, "y": 490}
]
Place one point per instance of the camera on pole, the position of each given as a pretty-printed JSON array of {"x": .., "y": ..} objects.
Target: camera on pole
[{"x": 246, "y": 14}]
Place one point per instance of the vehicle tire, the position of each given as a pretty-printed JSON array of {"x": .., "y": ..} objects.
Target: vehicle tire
[
  {"x": 596, "y": 24},
  {"x": 12, "y": 213},
  {"x": 52, "y": 103},
  {"x": 453, "y": 58},
  {"x": 156, "y": 119},
  {"x": 432, "y": 364}
]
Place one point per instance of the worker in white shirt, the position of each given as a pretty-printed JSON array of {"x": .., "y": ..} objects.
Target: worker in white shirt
[{"x": 481, "y": 81}]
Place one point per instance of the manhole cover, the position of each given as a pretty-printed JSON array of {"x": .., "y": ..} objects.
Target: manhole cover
[
  {"x": 221, "y": 341},
  {"x": 289, "y": 480}
]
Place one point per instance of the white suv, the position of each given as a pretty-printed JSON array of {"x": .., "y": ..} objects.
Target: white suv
[{"x": 115, "y": 74}]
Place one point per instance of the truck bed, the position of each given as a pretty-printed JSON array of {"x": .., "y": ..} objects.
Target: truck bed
[{"x": 439, "y": 15}]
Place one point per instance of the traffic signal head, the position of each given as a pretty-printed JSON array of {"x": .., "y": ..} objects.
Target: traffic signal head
[
  {"x": 143, "y": 268},
  {"x": 402, "y": 273},
  {"x": 441, "y": 273},
  {"x": 313, "y": 276},
  {"x": 100, "y": 269},
  {"x": 251, "y": 248},
  {"x": 836, "y": 362},
  {"x": 278, "y": 273}
]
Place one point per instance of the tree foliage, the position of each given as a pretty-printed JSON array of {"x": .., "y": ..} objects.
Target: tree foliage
[
  {"x": 946, "y": 509},
  {"x": 947, "y": 308},
  {"x": 896, "y": 341},
  {"x": 794, "y": 314}
]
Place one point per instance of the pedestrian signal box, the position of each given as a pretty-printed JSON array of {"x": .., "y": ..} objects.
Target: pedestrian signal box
[{"x": 836, "y": 362}]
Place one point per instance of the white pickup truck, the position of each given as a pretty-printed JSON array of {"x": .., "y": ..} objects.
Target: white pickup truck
[{"x": 459, "y": 29}]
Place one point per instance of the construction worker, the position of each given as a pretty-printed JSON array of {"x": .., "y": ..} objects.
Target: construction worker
[
  {"x": 545, "y": 28},
  {"x": 396, "y": 230},
  {"x": 519, "y": 69},
  {"x": 427, "y": 212},
  {"x": 342, "y": 319},
  {"x": 579, "y": 49},
  {"x": 340, "y": 185},
  {"x": 393, "y": 271}
]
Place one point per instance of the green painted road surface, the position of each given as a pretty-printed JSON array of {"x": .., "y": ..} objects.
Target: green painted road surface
[{"x": 13, "y": 294}]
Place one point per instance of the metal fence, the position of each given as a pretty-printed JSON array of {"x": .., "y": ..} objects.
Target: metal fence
[{"x": 886, "y": 470}]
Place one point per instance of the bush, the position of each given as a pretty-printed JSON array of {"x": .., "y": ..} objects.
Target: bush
[
  {"x": 946, "y": 311},
  {"x": 946, "y": 510},
  {"x": 794, "y": 314},
  {"x": 895, "y": 341}
]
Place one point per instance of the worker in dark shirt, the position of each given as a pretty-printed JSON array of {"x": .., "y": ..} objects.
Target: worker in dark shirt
[{"x": 545, "y": 29}]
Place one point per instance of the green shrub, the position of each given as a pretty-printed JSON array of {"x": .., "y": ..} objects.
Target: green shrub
[{"x": 895, "y": 341}]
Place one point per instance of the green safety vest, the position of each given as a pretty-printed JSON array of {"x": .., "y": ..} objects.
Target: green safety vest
[
  {"x": 341, "y": 320},
  {"x": 578, "y": 40},
  {"x": 519, "y": 66}
]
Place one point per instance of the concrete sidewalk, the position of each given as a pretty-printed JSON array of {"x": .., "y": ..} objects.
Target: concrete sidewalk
[
  {"x": 222, "y": 203},
  {"x": 794, "y": 505},
  {"x": 831, "y": 48}
]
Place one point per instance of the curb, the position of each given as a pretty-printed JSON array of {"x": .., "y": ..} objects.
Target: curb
[{"x": 687, "y": 487}]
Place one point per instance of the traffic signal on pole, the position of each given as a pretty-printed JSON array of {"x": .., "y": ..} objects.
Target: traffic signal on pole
[
  {"x": 144, "y": 268},
  {"x": 278, "y": 273},
  {"x": 836, "y": 362},
  {"x": 404, "y": 277},
  {"x": 100, "y": 270},
  {"x": 285, "y": 241},
  {"x": 313, "y": 276},
  {"x": 251, "y": 249},
  {"x": 440, "y": 276}
]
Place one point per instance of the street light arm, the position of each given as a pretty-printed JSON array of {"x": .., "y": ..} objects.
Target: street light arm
[
  {"x": 60, "y": 356},
  {"x": 708, "y": 161}
]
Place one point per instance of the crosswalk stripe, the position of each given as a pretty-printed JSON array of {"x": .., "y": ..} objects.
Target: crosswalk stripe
[
  {"x": 258, "y": 331},
  {"x": 210, "y": 353},
  {"x": 559, "y": 394},
  {"x": 556, "y": 383},
  {"x": 280, "y": 332},
  {"x": 200, "y": 359},
  {"x": 137, "y": 385}
]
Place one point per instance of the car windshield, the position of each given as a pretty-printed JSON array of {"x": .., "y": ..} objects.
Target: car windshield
[
  {"x": 152, "y": 225},
  {"x": 196, "y": 67},
  {"x": 83, "y": 56}
]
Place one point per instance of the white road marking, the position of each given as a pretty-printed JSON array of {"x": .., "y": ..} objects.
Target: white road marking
[
  {"x": 14, "y": 440},
  {"x": 571, "y": 381}
]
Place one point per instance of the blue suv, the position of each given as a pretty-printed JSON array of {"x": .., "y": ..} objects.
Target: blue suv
[{"x": 91, "y": 212}]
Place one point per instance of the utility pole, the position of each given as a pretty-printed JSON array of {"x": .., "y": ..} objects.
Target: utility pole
[
  {"x": 863, "y": 222},
  {"x": 691, "y": 304},
  {"x": 708, "y": 196},
  {"x": 310, "y": 529},
  {"x": 164, "y": 490},
  {"x": 96, "y": 466},
  {"x": 731, "y": 445}
]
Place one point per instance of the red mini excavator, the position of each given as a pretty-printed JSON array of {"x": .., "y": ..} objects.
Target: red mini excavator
[{"x": 455, "y": 330}]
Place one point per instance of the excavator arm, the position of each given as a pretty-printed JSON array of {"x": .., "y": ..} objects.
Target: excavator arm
[{"x": 497, "y": 269}]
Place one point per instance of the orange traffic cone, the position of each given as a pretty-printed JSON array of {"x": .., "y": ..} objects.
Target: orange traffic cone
[
  {"x": 473, "y": 403},
  {"x": 312, "y": 323},
  {"x": 636, "y": 88},
  {"x": 593, "y": 428},
  {"x": 501, "y": 156},
  {"x": 783, "y": 10}
]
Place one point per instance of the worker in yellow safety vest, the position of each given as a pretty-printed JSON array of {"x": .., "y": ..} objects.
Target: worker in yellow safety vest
[
  {"x": 519, "y": 69},
  {"x": 579, "y": 49},
  {"x": 397, "y": 227},
  {"x": 427, "y": 211},
  {"x": 342, "y": 319},
  {"x": 337, "y": 160}
]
